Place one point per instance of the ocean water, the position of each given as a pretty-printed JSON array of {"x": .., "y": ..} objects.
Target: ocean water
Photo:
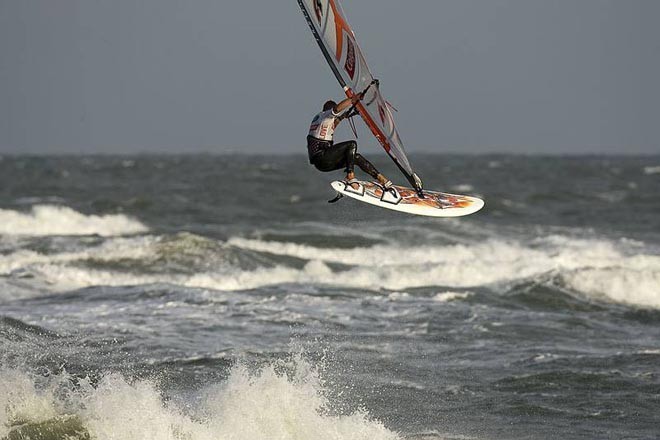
[{"x": 221, "y": 297}]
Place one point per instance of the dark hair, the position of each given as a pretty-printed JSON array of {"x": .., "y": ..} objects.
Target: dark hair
[{"x": 329, "y": 105}]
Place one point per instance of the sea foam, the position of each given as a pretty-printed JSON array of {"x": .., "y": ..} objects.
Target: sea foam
[
  {"x": 267, "y": 404},
  {"x": 602, "y": 269},
  {"x": 61, "y": 220},
  {"x": 652, "y": 170}
]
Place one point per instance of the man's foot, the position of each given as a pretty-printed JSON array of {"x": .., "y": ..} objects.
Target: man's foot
[
  {"x": 352, "y": 181},
  {"x": 384, "y": 181}
]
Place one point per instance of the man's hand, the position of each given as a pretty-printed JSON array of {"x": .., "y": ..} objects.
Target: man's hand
[
  {"x": 360, "y": 96},
  {"x": 357, "y": 97},
  {"x": 346, "y": 103}
]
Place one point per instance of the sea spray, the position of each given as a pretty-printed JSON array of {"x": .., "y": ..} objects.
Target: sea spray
[
  {"x": 22, "y": 402},
  {"x": 281, "y": 400},
  {"x": 275, "y": 405}
]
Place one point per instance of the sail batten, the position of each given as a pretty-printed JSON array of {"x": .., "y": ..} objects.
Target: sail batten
[{"x": 339, "y": 46}]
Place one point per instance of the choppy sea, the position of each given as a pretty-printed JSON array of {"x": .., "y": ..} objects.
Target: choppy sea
[{"x": 221, "y": 297}]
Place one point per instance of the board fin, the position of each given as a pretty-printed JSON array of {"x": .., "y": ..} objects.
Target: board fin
[{"x": 336, "y": 199}]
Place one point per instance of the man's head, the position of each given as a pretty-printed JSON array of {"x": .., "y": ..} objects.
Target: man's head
[{"x": 329, "y": 105}]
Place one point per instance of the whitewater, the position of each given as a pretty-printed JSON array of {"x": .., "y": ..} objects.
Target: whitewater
[{"x": 144, "y": 297}]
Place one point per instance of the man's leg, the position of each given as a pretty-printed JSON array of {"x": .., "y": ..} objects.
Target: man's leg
[
  {"x": 345, "y": 155},
  {"x": 370, "y": 169},
  {"x": 349, "y": 150},
  {"x": 332, "y": 158},
  {"x": 366, "y": 166},
  {"x": 353, "y": 157}
]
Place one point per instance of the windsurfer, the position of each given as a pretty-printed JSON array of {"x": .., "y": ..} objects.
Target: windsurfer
[{"x": 326, "y": 156}]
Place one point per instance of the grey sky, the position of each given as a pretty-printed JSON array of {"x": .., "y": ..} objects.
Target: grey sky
[{"x": 466, "y": 75}]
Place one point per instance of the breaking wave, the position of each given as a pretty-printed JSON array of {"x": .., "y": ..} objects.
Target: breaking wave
[
  {"x": 652, "y": 170},
  {"x": 60, "y": 220},
  {"x": 630, "y": 285},
  {"x": 284, "y": 400},
  {"x": 604, "y": 270}
]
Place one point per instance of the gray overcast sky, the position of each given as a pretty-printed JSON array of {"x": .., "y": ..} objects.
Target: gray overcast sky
[{"x": 523, "y": 76}]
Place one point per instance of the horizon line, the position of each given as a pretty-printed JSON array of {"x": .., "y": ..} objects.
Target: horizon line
[{"x": 303, "y": 153}]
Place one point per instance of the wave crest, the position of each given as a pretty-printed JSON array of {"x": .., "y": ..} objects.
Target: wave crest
[
  {"x": 46, "y": 220},
  {"x": 249, "y": 406},
  {"x": 616, "y": 271}
]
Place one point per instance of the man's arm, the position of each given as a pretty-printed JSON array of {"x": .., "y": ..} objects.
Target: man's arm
[{"x": 346, "y": 103}]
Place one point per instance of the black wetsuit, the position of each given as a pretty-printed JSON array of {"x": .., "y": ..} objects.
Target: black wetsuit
[{"x": 327, "y": 156}]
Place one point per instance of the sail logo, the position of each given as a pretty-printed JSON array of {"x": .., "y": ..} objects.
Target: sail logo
[
  {"x": 318, "y": 9},
  {"x": 381, "y": 113},
  {"x": 349, "y": 65}
]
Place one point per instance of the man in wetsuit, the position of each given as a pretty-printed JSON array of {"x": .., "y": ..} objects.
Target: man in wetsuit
[{"x": 328, "y": 156}]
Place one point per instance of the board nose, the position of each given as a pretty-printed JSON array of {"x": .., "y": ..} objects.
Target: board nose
[{"x": 337, "y": 185}]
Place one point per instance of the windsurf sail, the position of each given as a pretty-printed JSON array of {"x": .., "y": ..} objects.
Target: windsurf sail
[{"x": 337, "y": 41}]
